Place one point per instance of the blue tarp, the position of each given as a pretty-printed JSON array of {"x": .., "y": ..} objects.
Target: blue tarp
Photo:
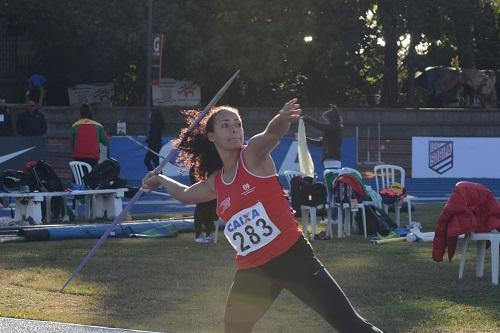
[{"x": 158, "y": 228}]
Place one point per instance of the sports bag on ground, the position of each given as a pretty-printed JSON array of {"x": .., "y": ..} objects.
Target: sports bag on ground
[
  {"x": 394, "y": 194},
  {"x": 12, "y": 180},
  {"x": 42, "y": 177},
  {"x": 306, "y": 193},
  {"x": 105, "y": 175},
  {"x": 377, "y": 221}
]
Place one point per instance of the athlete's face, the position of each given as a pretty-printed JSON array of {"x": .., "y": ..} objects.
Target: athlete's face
[{"x": 228, "y": 130}]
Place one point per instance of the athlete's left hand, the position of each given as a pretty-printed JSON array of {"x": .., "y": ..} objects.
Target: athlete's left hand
[{"x": 291, "y": 111}]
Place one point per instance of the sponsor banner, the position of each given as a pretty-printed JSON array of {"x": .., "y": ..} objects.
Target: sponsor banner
[
  {"x": 176, "y": 93},
  {"x": 435, "y": 157},
  {"x": 15, "y": 151},
  {"x": 130, "y": 155},
  {"x": 95, "y": 94}
]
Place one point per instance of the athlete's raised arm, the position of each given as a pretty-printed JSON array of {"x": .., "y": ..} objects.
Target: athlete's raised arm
[{"x": 260, "y": 146}]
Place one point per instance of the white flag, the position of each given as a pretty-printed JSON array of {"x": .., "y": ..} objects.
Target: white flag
[{"x": 306, "y": 164}]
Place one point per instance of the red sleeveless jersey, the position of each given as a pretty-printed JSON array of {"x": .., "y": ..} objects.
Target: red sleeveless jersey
[{"x": 259, "y": 222}]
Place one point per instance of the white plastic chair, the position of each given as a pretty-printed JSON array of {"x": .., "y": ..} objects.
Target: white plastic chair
[
  {"x": 346, "y": 208},
  {"x": 79, "y": 170},
  {"x": 306, "y": 211},
  {"x": 481, "y": 238},
  {"x": 329, "y": 180},
  {"x": 385, "y": 176}
]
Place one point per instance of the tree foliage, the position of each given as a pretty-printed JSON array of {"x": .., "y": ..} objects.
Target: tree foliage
[{"x": 354, "y": 50}]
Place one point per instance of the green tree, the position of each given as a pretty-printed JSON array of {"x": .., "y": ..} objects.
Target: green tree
[
  {"x": 336, "y": 68},
  {"x": 355, "y": 49}
]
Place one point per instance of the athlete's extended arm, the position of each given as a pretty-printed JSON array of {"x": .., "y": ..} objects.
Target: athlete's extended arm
[
  {"x": 261, "y": 145},
  {"x": 200, "y": 192}
]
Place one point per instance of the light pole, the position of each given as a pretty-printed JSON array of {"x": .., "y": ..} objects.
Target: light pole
[{"x": 148, "y": 65}]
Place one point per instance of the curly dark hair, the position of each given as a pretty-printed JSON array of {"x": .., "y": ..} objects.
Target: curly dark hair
[{"x": 195, "y": 149}]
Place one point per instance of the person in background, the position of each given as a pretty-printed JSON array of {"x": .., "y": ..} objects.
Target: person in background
[
  {"x": 271, "y": 251},
  {"x": 331, "y": 140},
  {"x": 35, "y": 88},
  {"x": 5, "y": 120},
  {"x": 86, "y": 134},
  {"x": 205, "y": 213},
  {"x": 31, "y": 122},
  {"x": 152, "y": 160}
]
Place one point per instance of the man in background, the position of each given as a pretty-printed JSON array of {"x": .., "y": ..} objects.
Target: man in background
[
  {"x": 5, "y": 119},
  {"x": 31, "y": 122},
  {"x": 152, "y": 159},
  {"x": 35, "y": 88},
  {"x": 86, "y": 134}
]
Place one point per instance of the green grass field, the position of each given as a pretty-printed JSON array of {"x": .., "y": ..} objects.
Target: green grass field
[{"x": 175, "y": 285}]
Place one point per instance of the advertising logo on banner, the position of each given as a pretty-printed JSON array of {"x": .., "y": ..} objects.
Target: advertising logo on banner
[
  {"x": 176, "y": 93},
  {"x": 450, "y": 157},
  {"x": 130, "y": 155},
  {"x": 95, "y": 94},
  {"x": 15, "y": 151},
  {"x": 440, "y": 156}
]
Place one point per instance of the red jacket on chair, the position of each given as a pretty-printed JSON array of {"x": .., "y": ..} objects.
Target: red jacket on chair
[{"x": 471, "y": 208}]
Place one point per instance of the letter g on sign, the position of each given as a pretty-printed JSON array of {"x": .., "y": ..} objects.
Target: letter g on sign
[{"x": 156, "y": 44}]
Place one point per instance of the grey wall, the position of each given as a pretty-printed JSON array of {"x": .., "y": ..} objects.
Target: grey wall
[
  {"x": 397, "y": 126},
  {"x": 394, "y": 123}
]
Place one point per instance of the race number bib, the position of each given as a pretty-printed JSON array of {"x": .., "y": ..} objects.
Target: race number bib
[{"x": 250, "y": 229}]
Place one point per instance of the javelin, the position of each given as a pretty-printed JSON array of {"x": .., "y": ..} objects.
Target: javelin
[{"x": 157, "y": 170}]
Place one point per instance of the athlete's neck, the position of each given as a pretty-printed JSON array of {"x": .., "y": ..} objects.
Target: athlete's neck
[
  {"x": 229, "y": 163},
  {"x": 229, "y": 169}
]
